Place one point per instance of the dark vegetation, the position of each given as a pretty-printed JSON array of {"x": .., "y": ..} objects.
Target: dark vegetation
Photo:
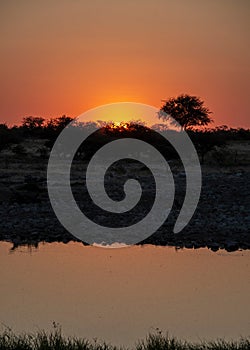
[
  {"x": 213, "y": 141},
  {"x": 186, "y": 110},
  {"x": 221, "y": 220},
  {"x": 156, "y": 341}
]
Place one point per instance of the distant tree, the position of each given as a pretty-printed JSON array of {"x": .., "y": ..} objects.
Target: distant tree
[
  {"x": 32, "y": 123},
  {"x": 62, "y": 122},
  {"x": 187, "y": 110},
  {"x": 58, "y": 124},
  {"x": 53, "y": 127}
]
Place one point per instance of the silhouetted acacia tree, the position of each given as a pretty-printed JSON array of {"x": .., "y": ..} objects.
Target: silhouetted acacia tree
[{"x": 187, "y": 110}]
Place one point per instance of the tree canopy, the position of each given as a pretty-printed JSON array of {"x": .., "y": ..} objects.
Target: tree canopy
[{"x": 186, "y": 110}]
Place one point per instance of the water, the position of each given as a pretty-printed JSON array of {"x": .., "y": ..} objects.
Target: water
[{"x": 120, "y": 295}]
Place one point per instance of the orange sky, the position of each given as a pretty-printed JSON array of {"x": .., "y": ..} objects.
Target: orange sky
[{"x": 64, "y": 57}]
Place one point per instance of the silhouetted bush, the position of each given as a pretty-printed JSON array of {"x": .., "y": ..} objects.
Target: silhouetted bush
[
  {"x": 8, "y": 136},
  {"x": 205, "y": 140}
]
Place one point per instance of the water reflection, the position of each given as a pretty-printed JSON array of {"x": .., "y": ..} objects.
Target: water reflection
[{"x": 119, "y": 295}]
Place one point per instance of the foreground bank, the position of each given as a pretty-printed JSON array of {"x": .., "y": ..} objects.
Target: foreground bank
[{"x": 221, "y": 220}]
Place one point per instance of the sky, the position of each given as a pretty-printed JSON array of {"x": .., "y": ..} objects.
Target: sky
[{"x": 67, "y": 56}]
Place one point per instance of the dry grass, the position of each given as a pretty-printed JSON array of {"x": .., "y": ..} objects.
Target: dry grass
[{"x": 56, "y": 341}]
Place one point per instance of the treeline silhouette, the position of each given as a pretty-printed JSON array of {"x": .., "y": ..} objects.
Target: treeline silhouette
[{"x": 205, "y": 139}]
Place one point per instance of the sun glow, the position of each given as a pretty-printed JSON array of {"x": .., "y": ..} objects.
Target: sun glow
[
  {"x": 119, "y": 125},
  {"x": 121, "y": 114}
]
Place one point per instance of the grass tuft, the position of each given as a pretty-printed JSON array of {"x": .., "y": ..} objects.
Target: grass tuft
[{"x": 54, "y": 340}]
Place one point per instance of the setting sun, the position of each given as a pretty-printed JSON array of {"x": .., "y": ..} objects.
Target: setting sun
[
  {"x": 117, "y": 125},
  {"x": 124, "y": 174},
  {"x": 67, "y": 59}
]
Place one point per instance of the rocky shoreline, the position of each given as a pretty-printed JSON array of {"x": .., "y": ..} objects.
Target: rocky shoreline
[{"x": 221, "y": 221}]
